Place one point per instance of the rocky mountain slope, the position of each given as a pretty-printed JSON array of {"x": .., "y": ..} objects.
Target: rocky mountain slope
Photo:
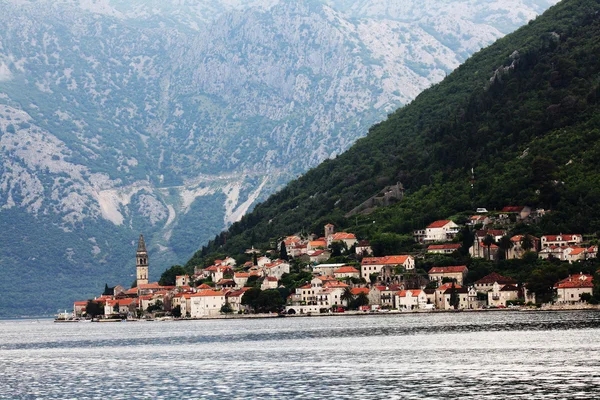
[{"x": 175, "y": 119}]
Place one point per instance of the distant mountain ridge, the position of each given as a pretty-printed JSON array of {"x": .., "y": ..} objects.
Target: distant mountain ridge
[{"x": 175, "y": 118}]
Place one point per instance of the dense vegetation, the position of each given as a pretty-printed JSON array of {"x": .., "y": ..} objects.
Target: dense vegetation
[{"x": 524, "y": 114}]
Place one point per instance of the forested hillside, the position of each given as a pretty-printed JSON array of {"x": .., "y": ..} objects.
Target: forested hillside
[{"x": 524, "y": 114}]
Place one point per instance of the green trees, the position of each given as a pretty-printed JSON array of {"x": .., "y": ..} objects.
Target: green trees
[
  {"x": 169, "y": 276},
  {"x": 362, "y": 299},
  {"x": 505, "y": 244},
  {"x": 263, "y": 300},
  {"x": 156, "y": 306},
  {"x": 94, "y": 308},
  {"x": 176, "y": 311},
  {"x": 347, "y": 296},
  {"x": 508, "y": 129},
  {"x": 527, "y": 242},
  {"x": 454, "y": 297},
  {"x": 226, "y": 309},
  {"x": 283, "y": 252},
  {"x": 488, "y": 241}
]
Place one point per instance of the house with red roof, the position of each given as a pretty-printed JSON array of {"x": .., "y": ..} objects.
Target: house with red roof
[
  {"x": 517, "y": 250},
  {"x": 346, "y": 272},
  {"x": 481, "y": 220},
  {"x": 270, "y": 282},
  {"x": 124, "y": 306},
  {"x": 447, "y": 248},
  {"x": 206, "y": 303},
  {"x": 411, "y": 299},
  {"x": 234, "y": 298},
  {"x": 79, "y": 308},
  {"x": 182, "y": 280},
  {"x": 262, "y": 261},
  {"x": 225, "y": 284},
  {"x": 441, "y": 231},
  {"x": 314, "y": 245},
  {"x": 456, "y": 272},
  {"x": 240, "y": 278},
  {"x": 318, "y": 256},
  {"x": 501, "y": 293},
  {"x": 349, "y": 239},
  {"x": 373, "y": 265},
  {"x": 363, "y": 248},
  {"x": 570, "y": 289},
  {"x": 277, "y": 268},
  {"x": 486, "y": 283},
  {"x": 561, "y": 240}
]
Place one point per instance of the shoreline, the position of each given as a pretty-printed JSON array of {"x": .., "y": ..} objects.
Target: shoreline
[{"x": 376, "y": 313}]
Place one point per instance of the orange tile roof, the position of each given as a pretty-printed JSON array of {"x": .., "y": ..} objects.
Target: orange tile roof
[
  {"x": 80, "y": 303},
  {"x": 152, "y": 285},
  {"x": 346, "y": 270},
  {"x": 357, "y": 290},
  {"x": 318, "y": 243},
  {"x": 208, "y": 293},
  {"x": 334, "y": 284},
  {"x": 448, "y": 286},
  {"x": 439, "y": 224},
  {"x": 204, "y": 286},
  {"x": 387, "y": 260},
  {"x": 577, "y": 251},
  {"x": 343, "y": 236},
  {"x": 413, "y": 293}
]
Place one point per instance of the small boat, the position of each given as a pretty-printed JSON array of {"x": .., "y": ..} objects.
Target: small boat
[{"x": 65, "y": 317}]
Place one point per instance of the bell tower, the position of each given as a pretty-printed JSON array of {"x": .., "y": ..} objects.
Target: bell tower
[{"x": 141, "y": 262}]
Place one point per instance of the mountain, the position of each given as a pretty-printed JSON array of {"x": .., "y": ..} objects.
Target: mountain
[
  {"x": 516, "y": 124},
  {"x": 174, "y": 118}
]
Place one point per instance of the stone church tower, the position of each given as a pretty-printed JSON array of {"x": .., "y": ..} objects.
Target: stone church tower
[{"x": 141, "y": 262}]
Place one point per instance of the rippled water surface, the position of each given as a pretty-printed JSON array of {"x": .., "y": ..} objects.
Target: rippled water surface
[{"x": 470, "y": 355}]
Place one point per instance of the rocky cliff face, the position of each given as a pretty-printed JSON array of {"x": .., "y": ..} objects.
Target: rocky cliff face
[{"x": 174, "y": 118}]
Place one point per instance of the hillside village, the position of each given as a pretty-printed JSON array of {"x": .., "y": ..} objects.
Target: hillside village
[{"x": 337, "y": 272}]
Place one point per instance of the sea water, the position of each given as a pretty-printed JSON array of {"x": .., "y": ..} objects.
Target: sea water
[{"x": 494, "y": 355}]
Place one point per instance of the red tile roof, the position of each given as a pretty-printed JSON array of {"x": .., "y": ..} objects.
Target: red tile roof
[
  {"x": 448, "y": 270},
  {"x": 448, "y": 246},
  {"x": 343, "y": 236},
  {"x": 413, "y": 293},
  {"x": 513, "y": 208},
  {"x": 204, "y": 286},
  {"x": 357, "y": 290},
  {"x": 566, "y": 238},
  {"x": 152, "y": 285},
  {"x": 387, "y": 260},
  {"x": 575, "y": 281},
  {"x": 208, "y": 293},
  {"x": 439, "y": 224},
  {"x": 346, "y": 270},
  {"x": 495, "y": 277}
]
